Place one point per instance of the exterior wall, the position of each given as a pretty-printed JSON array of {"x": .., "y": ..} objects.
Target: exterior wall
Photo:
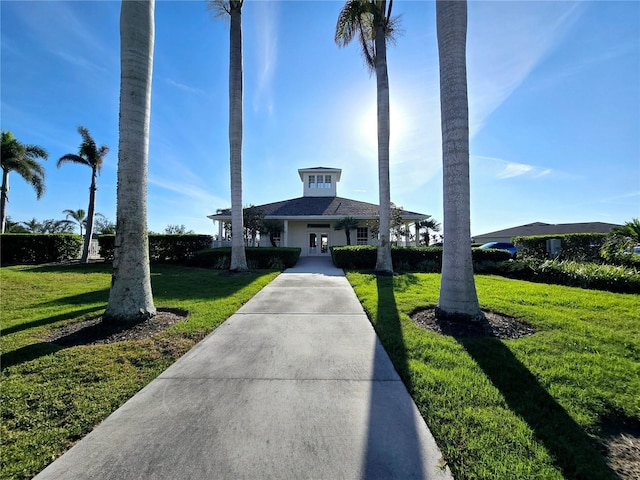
[
  {"x": 314, "y": 191},
  {"x": 299, "y": 235}
]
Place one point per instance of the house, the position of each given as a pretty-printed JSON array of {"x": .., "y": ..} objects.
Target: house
[
  {"x": 308, "y": 221},
  {"x": 539, "y": 228}
]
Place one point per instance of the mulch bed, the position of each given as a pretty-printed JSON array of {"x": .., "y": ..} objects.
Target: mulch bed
[
  {"x": 492, "y": 325},
  {"x": 94, "y": 332}
]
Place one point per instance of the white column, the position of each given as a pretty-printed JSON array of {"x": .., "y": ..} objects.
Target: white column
[
  {"x": 285, "y": 234},
  {"x": 219, "y": 233}
]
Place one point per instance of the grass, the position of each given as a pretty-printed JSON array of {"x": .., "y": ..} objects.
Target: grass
[
  {"x": 536, "y": 407},
  {"x": 52, "y": 396}
]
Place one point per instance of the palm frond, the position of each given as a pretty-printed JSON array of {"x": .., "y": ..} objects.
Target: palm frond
[
  {"x": 219, "y": 8},
  {"x": 72, "y": 158}
]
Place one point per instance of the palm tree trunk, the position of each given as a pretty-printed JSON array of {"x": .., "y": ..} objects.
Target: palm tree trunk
[
  {"x": 4, "y": 198},
  {"x": 131, "y": 298},
  {"x": 383, "y": 261},
  {"x": 238, "y": 257},
  {"x": 88, "y": 233},
  {"x": 458, "y": 295}
]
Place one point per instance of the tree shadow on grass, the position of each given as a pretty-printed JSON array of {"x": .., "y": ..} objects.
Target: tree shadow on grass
[
  {"x": 572, "y": 450},
  {"x": 19, "y": 327}
]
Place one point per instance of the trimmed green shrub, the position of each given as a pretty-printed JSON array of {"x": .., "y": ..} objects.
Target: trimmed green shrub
[
  {"x": 358, "y": 257},
  {"x": 612, "y": 278},
  {"x": 33, "y": 248},
  {"x": 163, "y": 248},
  {"x": 420, "y": 259},
  {"x": 274, "y": 258},
  {"x": 575, "y": 246}
]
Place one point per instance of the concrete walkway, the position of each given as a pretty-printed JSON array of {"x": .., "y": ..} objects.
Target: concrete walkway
[{"x": 295, "y": 385}]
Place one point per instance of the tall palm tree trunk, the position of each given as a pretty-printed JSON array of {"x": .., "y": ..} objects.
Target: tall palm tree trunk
[
  {"x": 131, "y": 297},
  {"x": 4, "y": 198},
  {"x": 88, "y": 233},
  {"x": 383, "y": 261},
  {"x": 238, "y": 256},
  {"x": 458, "y": 295}
]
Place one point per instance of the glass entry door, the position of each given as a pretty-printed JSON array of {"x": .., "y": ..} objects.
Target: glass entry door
[{"x": 318, "y": 243}]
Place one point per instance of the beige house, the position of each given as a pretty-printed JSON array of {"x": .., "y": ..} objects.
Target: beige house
[{"x": 308, "y": 221}]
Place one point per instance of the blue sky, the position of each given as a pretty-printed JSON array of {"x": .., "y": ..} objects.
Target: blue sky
[{"x": 554, "y": 91}]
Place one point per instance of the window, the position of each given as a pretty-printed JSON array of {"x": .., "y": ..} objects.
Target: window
[
  {"x": 362, "y": 236},
  {"x": 312, "y": 181},
  {"x": 327, "y": 181}
]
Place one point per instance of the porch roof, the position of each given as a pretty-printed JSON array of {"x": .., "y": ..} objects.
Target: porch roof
[{"x": 325, "y": 207}]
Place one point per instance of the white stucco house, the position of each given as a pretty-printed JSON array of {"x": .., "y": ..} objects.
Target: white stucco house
[{"x": 308, "y": 221}]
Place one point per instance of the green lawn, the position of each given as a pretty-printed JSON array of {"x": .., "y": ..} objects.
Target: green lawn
[
  {"x": 532, "y": 408},
  {"x": 52, "y": 396}
]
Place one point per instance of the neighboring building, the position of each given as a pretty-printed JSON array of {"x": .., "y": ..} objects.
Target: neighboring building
[
  {"x": 308, "y": 221},
  {"x": 539, "y": 228}
]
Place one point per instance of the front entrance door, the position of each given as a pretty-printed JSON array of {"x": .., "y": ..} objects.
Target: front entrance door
[{"x": 318, "y": 243}]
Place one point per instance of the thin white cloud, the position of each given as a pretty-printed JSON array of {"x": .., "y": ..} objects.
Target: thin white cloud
[
  {"x": 80, "y": 61},
  {"x": 507, "y": 41},
  {"x": 197, "y": 196},
  {"x": 504, "y": 169},
  {"x": 185, "y": 88},
  {"x": 267, "y": 48}
]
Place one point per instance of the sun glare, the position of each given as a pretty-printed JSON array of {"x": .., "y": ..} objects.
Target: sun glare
[{"x": 368, "y": 126}]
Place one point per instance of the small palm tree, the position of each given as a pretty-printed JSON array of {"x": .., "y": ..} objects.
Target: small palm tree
[
  {"x": 371, "y": 22},
  {"x": 91, "y": 155},
  {"x": 79, "y": 216},
  {"x": 630, "y": 230},
  {"x": 621, "y": 239},
  {"x": 273, "y": 228},
  {"x": 427, "y": 224},
  {"x": 347, "y": 224},
  {"x": 32, "y": 226},
  {"x": 22, "y": 159}
]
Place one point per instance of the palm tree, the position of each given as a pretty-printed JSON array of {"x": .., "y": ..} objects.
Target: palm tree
[
  {"x": 347, "y": 224},
  {"x": 371, "y": 22},
  {"x": 233, "y": 8},
  {"x": 458, "y": 295},
  {"x": 621, "y": 240},
  {"x": 91, "y": 155},
  {"x": 273, "y": 228},
  {"x": 32, "y": 226},
  {"x": 428, "y": 224},
  {"x": 78, "y": 215},
  {"x": 22, "y": 159},
  {"x": 130, "y": 297}
]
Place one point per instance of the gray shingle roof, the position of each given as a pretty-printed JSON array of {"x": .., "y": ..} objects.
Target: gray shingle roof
[
  {"x": 539, "y": 228},
  {"x": 323, "y": 206}
]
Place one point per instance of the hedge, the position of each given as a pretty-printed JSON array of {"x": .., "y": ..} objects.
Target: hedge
[
  {"x": 163, "y": 248},
  {"x": 34, "y": 248},
  {"x": 277, "y": 258},
  {"x": 576, "y": 246},
  {"x": 422, "y": 259}
]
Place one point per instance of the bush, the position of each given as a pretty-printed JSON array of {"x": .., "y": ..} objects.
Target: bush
[
  {"x": 613, "y": 278},
  {"x": 39, "y": 248},
  {"x": 273, "y": 258},
  {"x": 416, "y": 259},
  {"x": 358, "y": 257},
  {"x": 578, "y": 247},
  {"x": 163, "y": 248}
]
